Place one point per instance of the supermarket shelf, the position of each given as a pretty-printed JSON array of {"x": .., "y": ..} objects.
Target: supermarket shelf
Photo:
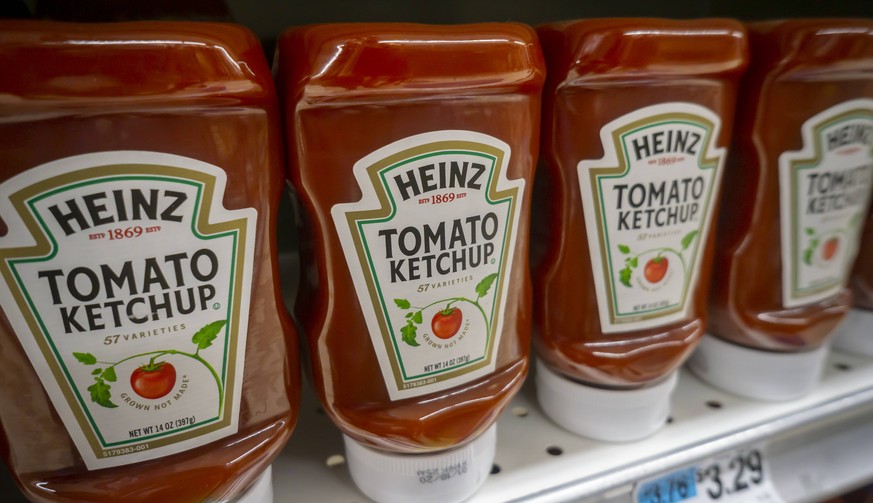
[{"x": 815, "y": 447}]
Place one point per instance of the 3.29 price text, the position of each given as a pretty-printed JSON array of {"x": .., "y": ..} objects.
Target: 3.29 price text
[{"x": 737, "y": 474}]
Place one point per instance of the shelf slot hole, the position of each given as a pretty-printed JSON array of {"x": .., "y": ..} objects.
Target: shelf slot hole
[
  {"x": 842, "y": 366},
  {"x": 713, "y": 404},
  {"x": 495, "y": 469},
  {"x": 554, "y": 450}
]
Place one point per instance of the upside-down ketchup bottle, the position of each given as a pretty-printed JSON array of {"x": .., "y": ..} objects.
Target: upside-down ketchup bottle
[
  {"x": 855, "y": 334},
  {"x": 637, "y": 116},
  {"x": 802, "y": 156},
  {"x": 412, "y": 149},
  {"x": 146, "y": 355}
]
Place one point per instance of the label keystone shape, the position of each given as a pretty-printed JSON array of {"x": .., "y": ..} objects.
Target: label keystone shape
[
  {"x": 824, "y": 196},
  {"x": 648, "y": 208},
  {"x": 430, "y": 248},
  {"x": 128, "y": 284}
]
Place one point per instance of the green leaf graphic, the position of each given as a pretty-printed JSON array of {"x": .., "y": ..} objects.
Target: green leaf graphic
[
  {"x": 408, "y": 334},
  {"x": 484, "y": 285},
  {"x": 809, "y": 231},
  {"x": 686, "y": 241},
  {"x": 204, "y": 337},
  {"x": 624, "y": 249},
  {"x": 109, "y": 374},
  {"x": 417, "y": 317},
  {"x": 807, "y": 256},
  {"x": 624, "y": 276},
  {"x": 100, "y": 394},
  {"x": 96, "y": 372},
  {"x": 86, "y": 358},
  {"x": 402, "y": 303},
  {"x": 632, "y": 262}
]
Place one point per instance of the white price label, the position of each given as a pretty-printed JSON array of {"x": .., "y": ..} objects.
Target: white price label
[{"x": 737, "y": 476}]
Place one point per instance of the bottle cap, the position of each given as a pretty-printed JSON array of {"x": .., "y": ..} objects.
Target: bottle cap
[
  {"x": 855, "y": 335},
  {"x": 604, "y": 414},
  {"x": 755, "y": 373},
  {"x": 261, "y": 491},
  {"x": 447, "y": 476}
]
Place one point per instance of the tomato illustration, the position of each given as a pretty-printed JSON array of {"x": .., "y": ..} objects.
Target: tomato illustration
[
  {"x": 656, "y": 269},
  {"x": 154, "y": 380},
  {"x": 829, "y": 248},
  {"x": 446, "y": 323}
]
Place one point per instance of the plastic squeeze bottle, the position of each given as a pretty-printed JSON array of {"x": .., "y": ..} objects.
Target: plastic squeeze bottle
[
  {"x": 637, "y": 116},
  {"x": 802, "y": 156},
  {"x": 855, "y": 334},
  {"x": 412, "y": 149},
  {"x": 146, "y": 354}
]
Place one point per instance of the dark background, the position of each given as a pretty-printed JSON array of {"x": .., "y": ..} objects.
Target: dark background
[{"x": 268, "y": 18}]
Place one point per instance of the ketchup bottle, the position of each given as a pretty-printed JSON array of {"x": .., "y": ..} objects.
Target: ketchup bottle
[
  {"x": 802, "y": 156},
  {"x": 638, "y": 113},
  {"x": 412, "y": 149},
  {"x": 855, "y": 335},
  {"x": 146, "y": 354}
]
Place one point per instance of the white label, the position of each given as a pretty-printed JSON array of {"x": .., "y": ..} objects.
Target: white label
[
  {"x": 824, "y": 196},
  {"x": 430, "y": 247},
  {"x": 128, "y": 283},
  {"x": 737, "y": 476},
  {"x": 648, "y": 210}
]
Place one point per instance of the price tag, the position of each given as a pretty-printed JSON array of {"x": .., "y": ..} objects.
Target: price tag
[
  {"x": 738, "y": 476},
  {"x": 680, "y": 485}
]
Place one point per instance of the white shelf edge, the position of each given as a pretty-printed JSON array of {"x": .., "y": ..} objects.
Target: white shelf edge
[
  {"x": 588, "y": 469},
  {"x": 621, "y": 480},
  {"x": 817, "y": 447}
]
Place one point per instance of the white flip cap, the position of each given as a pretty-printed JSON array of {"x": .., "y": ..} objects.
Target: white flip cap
[
  {"x": 602, "y": 414},
  {"x": 449, "y": 476},
  {"x": 261, "y": 491},
  {"x": 855, "y": 335},
  {"x": 755, "y": 373}
]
